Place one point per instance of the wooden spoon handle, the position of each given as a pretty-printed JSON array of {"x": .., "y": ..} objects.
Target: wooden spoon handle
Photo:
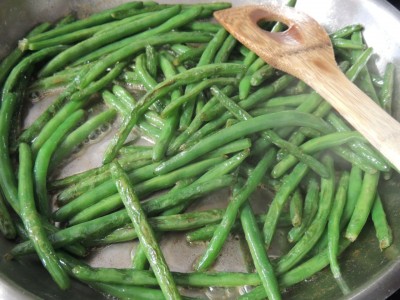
[{"x": 378, "y": 127}]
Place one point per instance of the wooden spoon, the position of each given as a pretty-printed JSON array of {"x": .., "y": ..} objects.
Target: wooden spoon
[{"x": 305, "y": 51}]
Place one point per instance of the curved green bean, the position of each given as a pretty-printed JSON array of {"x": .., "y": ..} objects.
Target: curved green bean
[
  {"x": 43, "y": 160},
  {"x": 32, "y": 222}
]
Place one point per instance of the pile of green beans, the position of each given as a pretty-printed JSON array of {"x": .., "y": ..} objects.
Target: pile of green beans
[{"x": 214, "y": 117}]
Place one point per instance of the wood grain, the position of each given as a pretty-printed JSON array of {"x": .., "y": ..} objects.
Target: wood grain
[{"x": 304, "y": 50}]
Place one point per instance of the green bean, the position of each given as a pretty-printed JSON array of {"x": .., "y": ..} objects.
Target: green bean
[
  {"x": 43, "y": 160},
  {"x": 129, "y": 292},
  {"x": 149, "y": 131},
  {"x": 79, "y": 135},
  {"x": 77, "y": 101},
  {"x": 153, "y": 19},
  {"x": 377, "y": 80},
  {"x": 220, "y": 235},
  {"x": 291, "y": 100},
  {"x": 7, "y": 227},
  {"x": 310, "y": 208},
  {"x": 32, "y": 221},
  {"x": 225, "y": 167},
  {"x": 145, "y": 233},
  {"x": 365, "y": 82},
  {"x": 355, "y": 183},
  {"x": 162, "y": 89},
  {"x": 261, "y": 95},
  {"x": 244, "y": 85},
  {"x": 203, "y": 26},
  {"x": 8, "y": 180},
  {"x": 206, "y": 58},
  {"x": 240, "y": 129},
  {"x": 100, "y": 174},
  {"x": 296, "y": 208},
  {"x": 299, "y": 273},
  {"x": 92, "y": 20},
  {"x": 195, "y": 124},
  {"x": 260, "y": 258},
  {"x": 334, "y": 223},
  {"x": 347, "y": 44},
  {"x": 317, "y": 226},
  {"x": 171, "y": 123},
  {"x": 171, "y": 24},
  {"x": 361, "y": 148},
  {"x": 35, "y": 128},
  {"x": 124, "y": 14},
  {"x": 386, "y": 93},
  {"x": 155, "y": 205},
  {"x": 147, "y": 278},
  {"x": 289, "y": 184},
  {"x": 65, "y": 39},
  {"x": 190, "y": 95},
  {"x": 53, "y": 81},
  {"x": 65, "y": 20},
  {"x": 179, "y": 49},
  {"x": 205, "y": 233},
  {"x": 191, "y": 54},
  {"x": 88, "y": 230},
  {"x": 14, "y": 57},
  {"x": 346, "y": 31},
  {"x": 363, "y": 206},
  {"x": 354, "y": 159},
  {"x": 151, "y": 60},
  {"x": 382, "y": 228},
  {"x": 262, "y": 74},
  {"x": 225, "y": 50},
  {"x": 314, "y": 145},
  {"x": 137, "y": 176},
  {"x": 76, "y": 249},
  {"x": 232, "y": 147},
  {"x": 142, "y": 170},
  {"x": 143, "y": 74},
  {"x": 269, "y": 135},
  {"x": 20, "y": 69}
]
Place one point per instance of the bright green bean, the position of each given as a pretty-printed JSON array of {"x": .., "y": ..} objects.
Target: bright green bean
[
  {"x": 363, "y": 206},
  {"x": 80, "y": 134},
  {"x": 382, "y": 228},
  {"x": 145, "y": 233},
  {"x": 386, "y": 93},
  {"x": 260, "y": 257},
  {"x": 238, "y": 130},
  {"x": 43, "y": 158},
  {"x": 220, "y": 235},
  {"x": 334, "y": 223},
  {"x": 147, "y": 278},
  {"x": 317, "y": 226},
  {"x": 310, "y": 209},
  {"x": 314, "y": 145},
  {"x": 32, "y": 221},
  {"x": 296, "y": 208},
  {"x": 171, "y": 123},
  {"x": 289, "y": 184},
  {"x": 7, "y": 227}
]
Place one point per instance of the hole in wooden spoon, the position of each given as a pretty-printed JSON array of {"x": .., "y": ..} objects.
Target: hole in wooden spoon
[{"x": 272, "y": 26}]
